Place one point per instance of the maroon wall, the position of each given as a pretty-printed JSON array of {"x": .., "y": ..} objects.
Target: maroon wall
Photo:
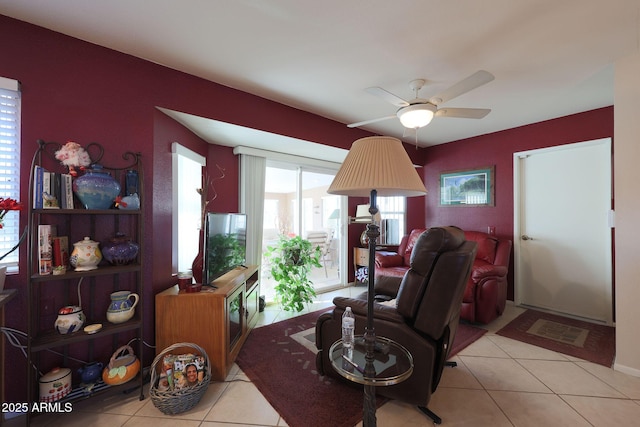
[
  {"x": 497, "y": 150},
  {"x": 73, "y": 90}
]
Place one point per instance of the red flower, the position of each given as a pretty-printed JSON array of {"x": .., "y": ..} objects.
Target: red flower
[{"x": 7, "y": 205}]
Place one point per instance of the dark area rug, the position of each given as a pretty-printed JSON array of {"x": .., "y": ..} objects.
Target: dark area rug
[
  {"x": 279, "y": 360},
  {"x": 599, "y": 346}
]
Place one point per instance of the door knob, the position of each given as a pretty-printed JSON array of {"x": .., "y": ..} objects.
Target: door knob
[{"x": 525, "y": 237}]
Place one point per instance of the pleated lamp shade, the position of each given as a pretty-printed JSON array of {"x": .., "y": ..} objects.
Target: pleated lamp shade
[{"x": 377, "y": 163}]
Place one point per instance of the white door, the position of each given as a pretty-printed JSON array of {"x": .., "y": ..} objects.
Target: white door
[{"x": 562, "y": 234}]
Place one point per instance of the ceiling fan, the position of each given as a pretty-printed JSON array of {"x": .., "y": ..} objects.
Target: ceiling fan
[{"x": 419, "y": 112}]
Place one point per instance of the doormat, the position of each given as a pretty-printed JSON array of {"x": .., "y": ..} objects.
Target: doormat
[
  {"x": 599, "y": 345},
  {"x": 559, "y": 332}
]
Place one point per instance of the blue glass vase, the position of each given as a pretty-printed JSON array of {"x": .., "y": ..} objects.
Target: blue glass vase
[{"x": 96, "y": 189}]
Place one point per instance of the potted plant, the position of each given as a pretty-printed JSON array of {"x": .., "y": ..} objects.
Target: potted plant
[{"x": 291, "y": 260}]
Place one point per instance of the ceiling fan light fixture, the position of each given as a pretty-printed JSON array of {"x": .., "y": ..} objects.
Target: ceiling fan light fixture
[{"x": 416, "y": 115}]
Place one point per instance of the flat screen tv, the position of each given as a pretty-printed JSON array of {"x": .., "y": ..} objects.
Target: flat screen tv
[{"x": 225, "y": 244}]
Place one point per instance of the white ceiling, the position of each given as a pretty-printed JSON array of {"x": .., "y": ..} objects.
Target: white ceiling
[{"x": 550, "y": 58}]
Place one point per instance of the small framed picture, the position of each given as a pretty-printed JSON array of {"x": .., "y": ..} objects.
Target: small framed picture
[{"x": 467, "y": 187}]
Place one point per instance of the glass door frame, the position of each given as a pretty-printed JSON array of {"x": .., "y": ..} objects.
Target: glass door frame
[{"x": 301, "y": 224}]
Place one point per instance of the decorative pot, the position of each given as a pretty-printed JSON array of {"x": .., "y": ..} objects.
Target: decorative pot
[
  {"x": 86, "y": 255},
  {"x": 364, "y": 239},
  {"x": 96, "y": 189},
  {"x": 70, "y": 319},
  {"x": 122, "y": 308},
  {"x": 90, "y": 373},
  {"x": 123, "y": 366},
  {"x": 120, "y": 250},
  {"x": 55, "y": 385}
]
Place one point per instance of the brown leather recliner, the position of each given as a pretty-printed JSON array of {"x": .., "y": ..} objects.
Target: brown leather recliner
[{"x": 424, "y": 319}]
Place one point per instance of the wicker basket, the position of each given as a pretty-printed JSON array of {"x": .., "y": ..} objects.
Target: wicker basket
[{"x": 173, "y": 402}]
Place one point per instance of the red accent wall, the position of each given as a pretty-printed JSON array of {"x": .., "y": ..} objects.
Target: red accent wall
[
  {"x": 74, "y": 90},
  {"x": 497, "y": 150}
]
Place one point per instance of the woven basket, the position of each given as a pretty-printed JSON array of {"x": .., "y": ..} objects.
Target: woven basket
[{"x": 173, "y": 402}]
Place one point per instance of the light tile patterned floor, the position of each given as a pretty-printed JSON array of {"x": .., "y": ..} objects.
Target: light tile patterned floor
[{"x": 498, "y": 382}]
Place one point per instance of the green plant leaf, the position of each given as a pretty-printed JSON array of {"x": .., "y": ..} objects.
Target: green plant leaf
[{"x": 291, "y": 260}]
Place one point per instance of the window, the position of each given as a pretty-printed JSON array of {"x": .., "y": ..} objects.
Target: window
[
  {"x": 187, "y": 205},
  {"x": 392, "y": 219},
  {"x": 10, "y": 167}
]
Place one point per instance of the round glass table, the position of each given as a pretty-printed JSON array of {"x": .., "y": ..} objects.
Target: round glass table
[{"x": 392, "y": 362}]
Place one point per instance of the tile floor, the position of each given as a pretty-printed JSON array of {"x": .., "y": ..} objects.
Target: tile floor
[{"x": 498, "y": 382}]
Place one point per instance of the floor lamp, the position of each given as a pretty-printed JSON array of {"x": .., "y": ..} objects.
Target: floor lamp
[{"x": 375, "y": 166}]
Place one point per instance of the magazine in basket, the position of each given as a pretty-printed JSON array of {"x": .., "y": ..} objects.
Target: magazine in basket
[{"x": 181, "y": 370}]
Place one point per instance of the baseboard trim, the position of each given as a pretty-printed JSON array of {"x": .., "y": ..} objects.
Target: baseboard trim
[{"x": 626, "y": 369}]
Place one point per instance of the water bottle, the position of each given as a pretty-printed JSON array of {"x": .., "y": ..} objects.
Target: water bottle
[{"x": 348, "y": 328}]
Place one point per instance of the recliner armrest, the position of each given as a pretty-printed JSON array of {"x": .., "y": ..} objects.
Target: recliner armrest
[
  {"x": 386, "y": 259},
  {"x": 359, "y": 308},
  {"x": 480, "y": 272}
]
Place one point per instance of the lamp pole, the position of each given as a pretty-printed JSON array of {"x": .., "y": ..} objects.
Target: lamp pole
[
  {"x": 373, "y": 232},
  {"x": 375, "y": 163}
]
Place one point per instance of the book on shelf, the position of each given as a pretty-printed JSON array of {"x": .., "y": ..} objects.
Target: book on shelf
[
  {"x": 66, "y": 189},
  {"x": 50, "y": 187},
  {"x": 56, "y": 187},
  {"x": 46, "y": 233},
  {"x": 38, "y": 177},
  {"x": 52, "y": 190},
  {"x": 61, "y": 252}
]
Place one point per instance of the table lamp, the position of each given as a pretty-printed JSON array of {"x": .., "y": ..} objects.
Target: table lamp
[{"x": 377, "y": 165}]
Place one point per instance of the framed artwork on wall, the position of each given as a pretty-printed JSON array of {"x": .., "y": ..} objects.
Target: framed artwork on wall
[{"x": 473, "y": 187}]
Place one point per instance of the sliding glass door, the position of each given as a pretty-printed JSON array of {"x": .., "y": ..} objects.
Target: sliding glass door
[{"x": 296, "y": 203}]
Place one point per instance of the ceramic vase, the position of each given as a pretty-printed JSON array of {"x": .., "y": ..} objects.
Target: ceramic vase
[
  {"x": 86, "y": 255},
  {"x": 120, "y": 250},
  {"x": 122, "y": 306},
  {"x": 197, "y": 267},
  {"x": 96, "y": 189},
  {"x": 70, "y": 319}
]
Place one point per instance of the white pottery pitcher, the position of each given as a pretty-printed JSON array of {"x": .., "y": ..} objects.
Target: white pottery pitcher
[{"x": 122, "y": 308}]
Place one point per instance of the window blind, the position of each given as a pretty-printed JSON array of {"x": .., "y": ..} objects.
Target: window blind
[
  {"x": 10, "y": 166},
  {"x": 393, "y": 218}
]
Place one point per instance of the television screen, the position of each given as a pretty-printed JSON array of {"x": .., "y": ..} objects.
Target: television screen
[{"x": 225, "y": 244}]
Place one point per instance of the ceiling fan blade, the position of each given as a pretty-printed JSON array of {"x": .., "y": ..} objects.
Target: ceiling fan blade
[
  {"x": 366, "y": 122},
  {"x": 475, "y": 80},
  {"x": 465, "y": 113},
  {"x": 387, "y": 96}
]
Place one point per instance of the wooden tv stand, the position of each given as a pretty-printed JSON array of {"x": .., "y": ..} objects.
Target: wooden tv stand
[{"x": 217, "y": 319}]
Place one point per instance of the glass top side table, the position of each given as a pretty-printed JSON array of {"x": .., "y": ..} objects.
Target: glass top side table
[{"x": 393, "y": 363}]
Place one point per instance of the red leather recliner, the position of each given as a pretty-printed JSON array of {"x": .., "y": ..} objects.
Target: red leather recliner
[
  {"x": 485, "y": 296},
  {"x": 397, "y": 263},
  {"x": 486, "y": 293}
]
